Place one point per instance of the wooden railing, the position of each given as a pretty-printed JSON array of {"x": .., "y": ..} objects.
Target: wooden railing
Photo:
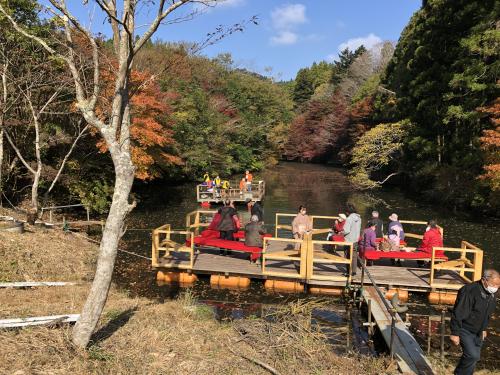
[
  {"x": 163, "y": 246},
  {"x": 317, "y": 228},
  {"x": 194, "y": 222},
  {"x": 422, "y": 223},
  {"x": 322, "y": 257},
  {"x": 462, "y": 265},
  {"x": 233, "y": 193},
  {"x": 297, "y": 254}
]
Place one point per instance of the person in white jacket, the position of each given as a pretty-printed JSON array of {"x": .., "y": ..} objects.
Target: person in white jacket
[{"x": 352, "y": 231}]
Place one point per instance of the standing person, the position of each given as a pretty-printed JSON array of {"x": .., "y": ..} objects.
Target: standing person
[
  {"x": 253, "y": 232},
  {"x": 301, "y": 225},
  {"x": 243, "y": 186},
  {"x": 379, "y": 230},
  {"x": 206, "y": 177},
  {"x": 225, "y": 188},
  {"x": 217, "y": 185},
  {"x": 351, "y": 232},
  {"x": 248, "y": 179},
  {"x": 227, "y": 225},
  {"x": 474, "y": 305}
]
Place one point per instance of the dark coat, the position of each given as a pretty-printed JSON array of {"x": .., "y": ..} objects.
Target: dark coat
[
  {"x": 253, "y": 234},
  {"x": 258, "y": 211},
  {"x": 226, "y": 219},
  {"x": 472, "y": 310},
  {"x": 379, "y": 229}
]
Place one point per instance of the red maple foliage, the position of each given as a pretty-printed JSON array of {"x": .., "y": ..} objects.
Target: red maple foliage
[
  {"x": 150, "y": 130},
  {"x": 318, "y": 131},
  {"x": 490, "y": 143}
]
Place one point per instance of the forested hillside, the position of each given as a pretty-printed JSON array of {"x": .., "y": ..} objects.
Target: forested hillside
[
  {"x": 190, "y": 114},
  {"x": 425, "y": 118}
]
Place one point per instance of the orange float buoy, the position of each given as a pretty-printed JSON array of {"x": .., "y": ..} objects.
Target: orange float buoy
[
  {"x": 284, "y": 286},
  {"x": 182, "y": 278},
  {"x": 403, "y": 294},
  {"x": 331, "y": 291},
  {"x": 229, "y": 282},
  {"x": 442, "y": 298}
]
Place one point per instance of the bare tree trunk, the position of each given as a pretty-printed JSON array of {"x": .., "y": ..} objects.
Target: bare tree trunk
[{"x": 96, "y": 299}]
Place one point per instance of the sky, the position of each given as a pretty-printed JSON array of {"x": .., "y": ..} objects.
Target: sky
[{"x": 289, "y": 35}]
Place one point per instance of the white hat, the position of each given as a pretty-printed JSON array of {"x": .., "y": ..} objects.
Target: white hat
[
  {"x": 342, "y": 217},
  {"x": 393, "y": 217}
]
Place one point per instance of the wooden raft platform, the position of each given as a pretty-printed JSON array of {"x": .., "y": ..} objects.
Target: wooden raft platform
[
  {"x": 407, "y": 352},
  {"x": 312, "y": 260},
  {"x": 213, "y": 195}
]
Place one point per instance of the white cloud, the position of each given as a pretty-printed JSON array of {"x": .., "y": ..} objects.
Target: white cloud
[
  {"x": 210, "y": 5},
  {"x": 368, "y": 42},
  {"x": 284, "y": 37},
  {"x": 288, "y": 16}
]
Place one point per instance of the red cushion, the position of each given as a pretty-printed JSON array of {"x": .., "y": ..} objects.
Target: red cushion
[
  {"x": 210, "y": 233},
  {"x": 228, "y": 245},
  {"x": 375, "y": 255},
  {"x": 337, "y": 238}
]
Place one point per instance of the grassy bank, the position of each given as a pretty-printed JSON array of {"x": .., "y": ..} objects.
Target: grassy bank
[{"x": 142, "y": 336}]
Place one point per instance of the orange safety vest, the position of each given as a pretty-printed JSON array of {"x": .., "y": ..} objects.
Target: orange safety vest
[
  {"x": 242, "y": 184},
  {"x": 249, "y": 177}
]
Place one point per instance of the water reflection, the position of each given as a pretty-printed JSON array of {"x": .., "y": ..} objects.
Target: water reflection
[{"x": 324, "y": 190}]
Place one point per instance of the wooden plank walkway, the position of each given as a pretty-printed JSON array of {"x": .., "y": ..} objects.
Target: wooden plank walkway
[
  {"x": 407, "y": 352},
  {"x": 407, "y": 277}
]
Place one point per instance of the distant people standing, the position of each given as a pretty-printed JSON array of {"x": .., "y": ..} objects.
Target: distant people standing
[
  {"x": 227, "y": 224},
  {"x": 243, "y": 186},
  {"x": 351, "y": 232},
  {"x": 301, "y": 225},
  {"x": 225, "y": 188},
  {"x": 471, "y": 314},
  {"x": 206, "y": 177},
  {"x": 248, "y": 179},
  {"x": 379, "y": 229}
]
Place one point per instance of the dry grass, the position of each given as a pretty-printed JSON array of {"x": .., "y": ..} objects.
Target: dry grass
[
  {"x": 45, "y": 255},
  {"x": 138, "y": 336}
]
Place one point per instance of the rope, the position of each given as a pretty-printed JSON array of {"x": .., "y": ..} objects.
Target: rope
[{"x": 123, "y": 251}]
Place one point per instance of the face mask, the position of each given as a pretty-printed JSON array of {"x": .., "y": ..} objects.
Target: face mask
[{"x": 492, "y": 289}]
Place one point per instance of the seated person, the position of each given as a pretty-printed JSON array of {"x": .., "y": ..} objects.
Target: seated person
[
  {"x": 368, "y": 240},
  {"x": 338, "y": 227},
  {"x": 432, "y": 238},
  {"x": 253, "y": 232}
]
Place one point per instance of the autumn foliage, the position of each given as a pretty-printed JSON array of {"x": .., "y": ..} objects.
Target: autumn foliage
[
  {"x": 490, "y": 143},
  {"x": 150, "y": 130}
]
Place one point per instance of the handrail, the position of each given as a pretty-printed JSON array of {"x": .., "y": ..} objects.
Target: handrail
[{"x": 390, "y": 309}]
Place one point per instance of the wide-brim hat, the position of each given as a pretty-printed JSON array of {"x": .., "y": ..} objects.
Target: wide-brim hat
[
  {"x": 393, "y": 217},
  {"x": 342, "y": 217}
]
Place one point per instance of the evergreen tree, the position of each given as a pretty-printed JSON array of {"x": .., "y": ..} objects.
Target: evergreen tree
[
  {"x": 346, "y": 58},
  {"x": 304, "y": 87}
]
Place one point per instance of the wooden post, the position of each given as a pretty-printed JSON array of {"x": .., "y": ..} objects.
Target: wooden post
[
  {"x": 370, "y": 328},
  {"x": 443, "y": 312},
  {"x": 154, "y": 248},
  {"x": 429, "y": 335},
  {"x": 309, "y": 248},
  {"x": 463, "y": 256},
  {"x": 431, "y": 280},
  {"x": 478, "y": 264}
]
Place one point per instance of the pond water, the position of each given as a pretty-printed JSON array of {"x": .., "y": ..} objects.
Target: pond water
[{"x": 324, "y": 190}]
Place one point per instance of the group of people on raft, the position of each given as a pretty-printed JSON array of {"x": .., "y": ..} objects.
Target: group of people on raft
[
  {"x": 347, "y": 228},
  {"x": 227, "y": 222},
  {"x": 221, "y": 187}
]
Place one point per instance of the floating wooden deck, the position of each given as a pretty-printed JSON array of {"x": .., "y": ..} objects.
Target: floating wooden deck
[
  {"x": 214, "y": 195},
  {"x": 312, "y": 262}
]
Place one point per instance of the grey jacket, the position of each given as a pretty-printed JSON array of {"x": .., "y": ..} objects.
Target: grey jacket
[
  {"x": 253, "y": 234},
  {"x": 352, "y": 228}
]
